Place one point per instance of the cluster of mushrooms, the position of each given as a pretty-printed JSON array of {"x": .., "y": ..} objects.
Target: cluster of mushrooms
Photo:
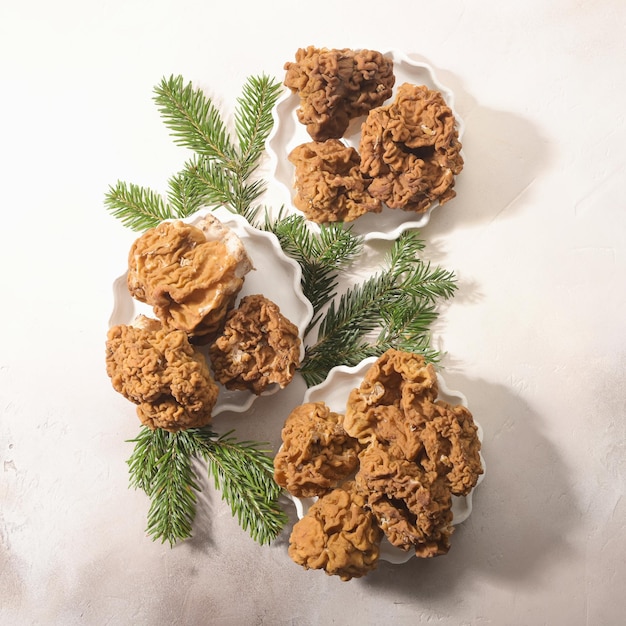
[
  {"x": 387, "y": 467},
  {"x": 409, "y": 151},
  {"x": 201, "y": 336}
]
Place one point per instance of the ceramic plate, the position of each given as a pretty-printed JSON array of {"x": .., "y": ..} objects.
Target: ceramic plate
[
  {"x": 275, "y": 275},
  {"x": 334, "y": 391},
  {"x": 288, "y": 133}
]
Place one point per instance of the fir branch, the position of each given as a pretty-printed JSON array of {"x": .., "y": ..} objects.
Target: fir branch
[
  {"x": 320, "y": 359},
  {"x": 430, "y": 283},
  {"x": 253, "y": 119},
  {"x": 243, "y": 196},
  {"x": 219, "y": 172},
  {"x": 322, "y": 256},
  {"x": 194, "y": 121},
  {"x": 150, "y": 446},
  {"x": 358, "y": 311},
  {"x": 245, "y": 476},
  {"x": 342, "y": 331},
  {"x": 213, "y": 182},
  {"x": 404, "y": 319},
  {"x": 399, "y": 301},
  {"x": 406, "y": 326},
  {"x": 162, "y": 466},
  {"x": 420, "y": 279},
  {"x": 214, "y": 185},
  {"x": 138, "y": 207},
  {"x": 185, "y": 194},
  {"x": 173, "y": 494}
]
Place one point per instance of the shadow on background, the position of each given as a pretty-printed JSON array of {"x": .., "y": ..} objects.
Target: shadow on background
[
  {"x": 521, "y": 515},
  {"x": 503, "y": 153}
]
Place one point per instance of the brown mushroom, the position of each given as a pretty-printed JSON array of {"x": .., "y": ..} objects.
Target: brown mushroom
[
  {"x": 338, "y": 534},
  {"x": 336, "y": 86},
  {"x": 258, "y": 347},
  {"x": 387, "y": 404},
  {"x": 316, "y": 454},
  {"x": 452, "y": 447},
  {"x": 411, "y": 150},
  {"x": 412, "y": 506},
  {"x": 329, "y": 184},
  {"x": 162, "y": 373},
  {"x": 190, "y": 275}
]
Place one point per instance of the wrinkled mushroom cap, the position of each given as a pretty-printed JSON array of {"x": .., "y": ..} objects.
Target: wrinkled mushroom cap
[
  {"x": 329, "y": 184},
  {"x": 190, "y": 275},
  {"x": 257, "y": 348},
  {"x": 336, "y": 86},
  {"x": 316, "y": 453},
  {"x": 411, "y": 150},
  {"x": 338, "y": 534},
  {"x": 162, "y": 373},
  {"x": 413, "y": 507}
]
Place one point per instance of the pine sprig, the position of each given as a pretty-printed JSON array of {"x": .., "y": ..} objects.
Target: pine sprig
[
  {"x": 253, "y": 120},
  {"x": 322, "y": 256},
  {"x": 406, "y": 326},
  {"x": 150, "y": 447},
  {"x": 139, "y": 208},
  {"x": 344, "y": 327},
  {"x": 194, "y": 121},
  {"x": 173, "y": 493},
  {"x": 162, "y": 465},
  {"x": 213, "y": 182},
  {"x": 184, "y": 195},
  {"x": 399, "y": 302},
  {"x": 220, "y": 170},
  {"x": 244, "y": 475}
]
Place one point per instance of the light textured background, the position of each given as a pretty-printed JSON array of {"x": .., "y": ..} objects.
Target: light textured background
[{"x": 535, "y": 337}]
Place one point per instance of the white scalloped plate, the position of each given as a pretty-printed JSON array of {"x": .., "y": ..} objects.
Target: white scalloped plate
[
  {"x": 275, "y": 275},
  {"x": 334, "y": 392},
  {"x": 288, "y": 132}
]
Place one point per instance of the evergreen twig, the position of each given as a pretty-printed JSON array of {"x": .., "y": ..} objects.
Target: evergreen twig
[
  {"x": 219, "y": 171},
  {"x": 138, "y": 207},
  {"x": 245, "y": 477},
  {"x": 254, "y": 121},
  {"x": 161, "y": 465},
  {"x": 184, "y": 195},
  {"x": 322, "y": 256},
  {"x": 194, "y": 121},
  {"x": 399, "y": 302}
]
